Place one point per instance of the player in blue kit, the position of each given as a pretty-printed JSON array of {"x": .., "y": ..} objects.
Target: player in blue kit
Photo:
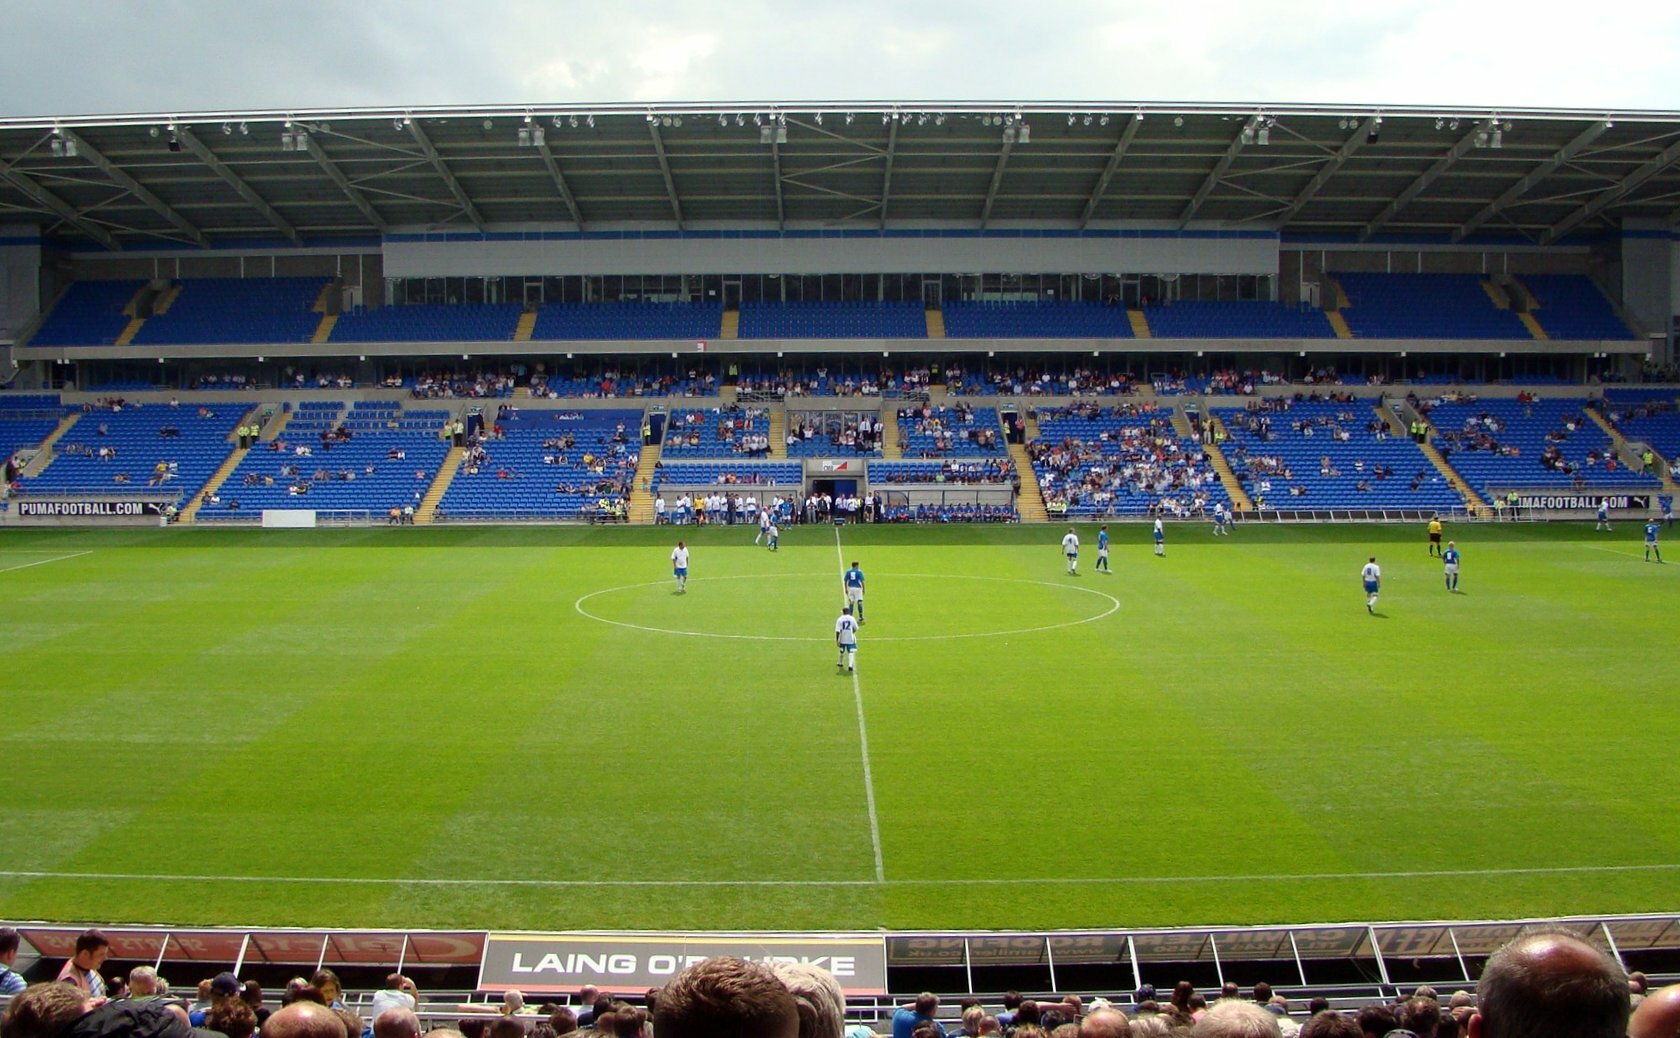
[
  {"x": 1371, "y": 577},
  {"x": 854, "y": 591},
  {"x": 1102, "y": 551},
  {"x": 1449, "y": 561},
  {"x": 1666, "y": 501},
  {"x": 1651, "y": 548}
]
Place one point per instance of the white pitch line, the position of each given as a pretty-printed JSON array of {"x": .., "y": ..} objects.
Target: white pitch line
[
  {"x": 863, "y": 737},
  {"x": 1061, "y": 881},
  {"x": 43, "y": 562}
]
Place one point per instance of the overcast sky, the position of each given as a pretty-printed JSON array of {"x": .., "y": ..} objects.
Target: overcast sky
[{"x": 77, "y": 57}]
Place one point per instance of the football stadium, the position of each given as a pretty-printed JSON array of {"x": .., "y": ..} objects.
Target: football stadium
[{"x": 1018, "y": 553}]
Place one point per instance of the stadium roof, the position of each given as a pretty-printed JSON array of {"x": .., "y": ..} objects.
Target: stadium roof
[{"x": 1333, "y": 173}]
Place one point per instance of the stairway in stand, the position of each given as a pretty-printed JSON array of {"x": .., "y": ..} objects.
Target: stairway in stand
[
  {"x": 427, "y": 512},
  {"x": 890, "y": 449},
  {"x": 778, "y": 432},
  {"x": 189, "y": 514},
  {"x": 641, "y": 491},
  {"x": 1030, "y": 503},
  {"x": 1240, "y": 501},
  {"x": 1626, "y": 452},
  {"x": 1473, "y": 501}
]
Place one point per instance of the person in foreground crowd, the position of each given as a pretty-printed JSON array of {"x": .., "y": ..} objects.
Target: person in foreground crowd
[
  {"x": 724, "y": 998},
  {"x": 11, "y": 981},
  {"x": 1548, "y": 983}
]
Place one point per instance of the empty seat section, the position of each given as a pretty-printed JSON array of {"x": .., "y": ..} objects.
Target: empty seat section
[
  {"x": 429, "y": 322},
  {"x": 26, "y": 420},
  {"x": 1425, "y": 306},
  {"x": 987, "y": 319},
  {"x": 1572, "y": 307},
  {"x": 1123, "y": 460},
  {"x": 722, "y": 473},
  {"x": 1502, "y": 444},
  {"x": 628, "y": 321},
  {"x": 114, "y": 451},
  {"x": 1309, "y": 454},
  {"x": 548, "y": 465},
  {"x": 1248, "y": 319},
  {"x": 217, "y": 310},
  {"x": 1647, "y": 416},
  {"x": 833, "y": 320},
  {"x": 90, "y": 313}
]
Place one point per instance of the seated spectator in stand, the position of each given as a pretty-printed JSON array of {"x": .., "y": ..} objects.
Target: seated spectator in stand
[
  {"x": 726, "y": 998},
  {"x": 1658, "y": 1015},
  {"x": 305, "y": 1019},
  {"x": 398, "y": 993},
  {"x": 233, "y": 1018},
  {"x": 1105, "y": 1023},
  {"x": 1329, "y": 1024},
  {"x": 817, "y": 996},
  {"x": 907, "y": 1018},
  {"x": 395, "y": 1022},
  {"x": 1547, "y": 983},
  {"x": 92, "y": 949},
  {"x": 1230, "y": 1017},
  {"x": 11, "y": 981}
]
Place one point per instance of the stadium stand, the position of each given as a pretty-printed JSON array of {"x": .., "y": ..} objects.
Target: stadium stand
[
  {"x": 761, "y": 474},
  {"x": 955, "y": 472},
  {"x": 628, "y": 321},
  {"x": 1035, "y": 320},
  {"x": 1649, "y": 416},
  {"x": 90, "y": 313},
  {"x": 1306, "y": 453},
  {"x": 825, "y": 434},
  {"x": 370, "y": 458},
  {"x": 950, "y": 432},
  {"x": 1541, "y": 443},
  {"x": 26, "y": 420},
  {"x": 833, "y": 320},
  {"x": 1035, "y": 380},
  {"x": 1232, "y": 319},
  {"x": 1124, "y": 460},
  {"x": 547, "y": 465},
  {"x": 429, "y": 322},
  {"x": 718, "y": 433},
  {"x": 1425, "y": 306},
  {"x": 244, "y": 310},
  {"x": 843, "y": 379},
  {"x": 133, "y": 447},
  {"x": 1570, "y": 306}
]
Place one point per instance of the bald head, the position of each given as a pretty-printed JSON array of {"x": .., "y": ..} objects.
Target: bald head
[
  {"x": 1658, "y": 1016},
  {"x": 396, "y": 1022},
  {"x": 1547, "y": 983},
  {"x": 1105, "y": 1023},
  {"x": 1236, "y": 1019},
  {"x": 304, "y": 1020}
]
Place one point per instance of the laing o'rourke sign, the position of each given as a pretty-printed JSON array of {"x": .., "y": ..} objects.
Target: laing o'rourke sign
[{"x": 554, "y": 963}]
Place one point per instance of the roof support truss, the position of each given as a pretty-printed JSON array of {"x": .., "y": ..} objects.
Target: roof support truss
[
  {"x": 1360, "y": 135},
  {"x": 886, "y": 178},
  {"x": 1417, "y": 187},
  {"x": 776, "y": 167},
  {"x": 665, "y": 168},
  {"x": 246, "y": 191},
  {"x": 1613, "y": 194},
  {"x": 1114, "y": 158},
  {"x": 1218, "y": 171},
  {"x": 350, "y": 190},
  {"x": 58, "y": 206},
  {"x": 442, "y": 168},
  {"x": 134, "y": 187},
  {"x": 997, "y": 175},
  {"x": 1531, "y": 180},
  {"x": 560, "y": 184}
]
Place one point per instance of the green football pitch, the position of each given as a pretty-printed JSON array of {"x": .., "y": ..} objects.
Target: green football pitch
[{"x": 527, "y": 728}]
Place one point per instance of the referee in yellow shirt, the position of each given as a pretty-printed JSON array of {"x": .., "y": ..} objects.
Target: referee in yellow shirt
[{"x": 1435, "y": 535}]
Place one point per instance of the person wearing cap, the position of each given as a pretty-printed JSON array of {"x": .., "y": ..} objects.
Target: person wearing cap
[{"x": 222, "y": 987}]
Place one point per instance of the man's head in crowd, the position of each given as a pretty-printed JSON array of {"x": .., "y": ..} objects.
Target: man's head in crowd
[
  {"x": 305, "y": 1020},
  {"x": 1658, "y": 1015},
  {"x": 1331, "y": 1025},
  {"x": 1105, "y": 1023},
  {"x": 396, "y": 1022},
  {"x": 233, "y": 1018},
  {"x": 726, "y": 998},
  {"x": 8, "y": 946},
  {"x": 1551, "y": 982},
  {"x": 1236, "y": 1019},
  {"x": 143, "y": 982},
  {"x": 821, "y": 1003},
  {"x": 43, "y": 1010}
]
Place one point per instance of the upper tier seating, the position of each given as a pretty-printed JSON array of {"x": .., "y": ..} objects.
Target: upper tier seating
[
  {"x": 378, "y": 468},
  {"x": 1425, "y": 306},
  {"x": 727, "y": 473},
  {"x": 189, "y": 442},
  {"x": 698, "y": 321},
  {"x": 1123, "y": 460},
  {"x": 833, "y": 320},
  {"x": 1647, "y": 416},
  {"x": 216, "y": 310},
  {"x": 823, "y": 379},
  {"x": 1302, "y": 454},
  {"x": 90, "y": 313},
  {"x": 717, "y": 433},
  {"x": 1540, "y": 443},
  {"x": 1034, "y": 320},
  {"x": 950, "y": 432},
  {"x": 1572, "y": 307},
  {"x": 429, "y": 322},
  {"x": 1253, "y": 319},
  {"x": 965, "y": 472},
  {"x": 548, "y": 464},
  {"x": 1035, "y": 380}
]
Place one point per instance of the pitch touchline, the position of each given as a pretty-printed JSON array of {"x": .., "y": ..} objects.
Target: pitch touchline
[
  {"x": 863, "y": 738},
  {"x": 1002, "y": 882},
  {"x": 43, "y": 562}
]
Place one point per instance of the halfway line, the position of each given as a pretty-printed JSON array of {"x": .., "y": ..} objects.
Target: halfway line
[
  {"x": 1093, "y": 881},
  {"x": 863, "y": 737}
]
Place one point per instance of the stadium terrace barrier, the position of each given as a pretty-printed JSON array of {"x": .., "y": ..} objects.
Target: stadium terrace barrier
[
  {"x": 1357, "y": 515},
  {"x": 1355, "y": 961}
]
